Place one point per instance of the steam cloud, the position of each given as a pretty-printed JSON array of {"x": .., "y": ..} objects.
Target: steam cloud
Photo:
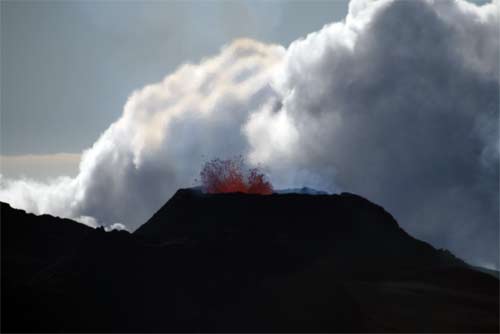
[{"x": 398, "y": 103}]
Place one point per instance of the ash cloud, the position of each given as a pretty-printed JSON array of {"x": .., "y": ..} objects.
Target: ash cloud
[{"x": 398, "y": 102}]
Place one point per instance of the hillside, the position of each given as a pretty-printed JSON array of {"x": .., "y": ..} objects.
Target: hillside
[{"x": 239, "y": 263}]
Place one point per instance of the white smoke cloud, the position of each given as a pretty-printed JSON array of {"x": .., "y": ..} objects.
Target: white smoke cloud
[
  {"x": 398, "y": 103},
  {"x": 116, "y": 226},
  {"x": 167, "y": 131}
]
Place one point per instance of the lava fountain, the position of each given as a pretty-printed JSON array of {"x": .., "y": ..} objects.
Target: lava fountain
[{"x": 230, "y": 176}]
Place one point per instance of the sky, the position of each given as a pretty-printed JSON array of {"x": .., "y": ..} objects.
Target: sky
[
  {"x": 79, "y": 61},
  {"x": 107, "y": 108}
]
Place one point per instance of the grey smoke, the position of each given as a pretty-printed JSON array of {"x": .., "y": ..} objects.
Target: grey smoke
[{"x": 403, "y": 109}]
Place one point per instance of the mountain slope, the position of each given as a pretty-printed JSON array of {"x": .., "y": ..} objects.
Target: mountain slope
[
  {"x": 345, "y": 227},
  {"x": 31, "y": 243},
  {"x": 250, "y": 263}
]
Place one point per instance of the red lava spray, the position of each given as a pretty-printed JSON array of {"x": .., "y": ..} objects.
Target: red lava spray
[{"x": 229, "y": 176}]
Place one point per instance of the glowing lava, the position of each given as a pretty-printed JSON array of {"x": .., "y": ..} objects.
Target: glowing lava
[{"x": 229, "y": 176}]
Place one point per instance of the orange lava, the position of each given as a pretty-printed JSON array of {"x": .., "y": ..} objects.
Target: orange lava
[{"x": 228, "y": 176}]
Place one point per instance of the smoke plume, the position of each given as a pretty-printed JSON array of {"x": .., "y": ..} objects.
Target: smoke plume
[{"x": 398, "y": 102}]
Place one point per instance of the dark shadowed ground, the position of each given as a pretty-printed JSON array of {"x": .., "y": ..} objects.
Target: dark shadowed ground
[{"x": 239, "y": 263}]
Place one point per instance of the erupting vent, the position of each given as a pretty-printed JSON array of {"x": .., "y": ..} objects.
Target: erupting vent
[{"x": 230, "y": 176}]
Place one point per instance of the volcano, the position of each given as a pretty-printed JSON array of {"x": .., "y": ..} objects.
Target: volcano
[{"x": 234, "y": 262}]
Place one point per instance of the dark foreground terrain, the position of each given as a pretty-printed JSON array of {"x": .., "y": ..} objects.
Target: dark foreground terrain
[{"x": 239, "y": 263}]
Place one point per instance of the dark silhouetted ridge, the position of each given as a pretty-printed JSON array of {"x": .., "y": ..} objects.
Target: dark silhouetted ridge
[
  {"x": 287, "y": 262},
  {"x": 347, "y": 227}
]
